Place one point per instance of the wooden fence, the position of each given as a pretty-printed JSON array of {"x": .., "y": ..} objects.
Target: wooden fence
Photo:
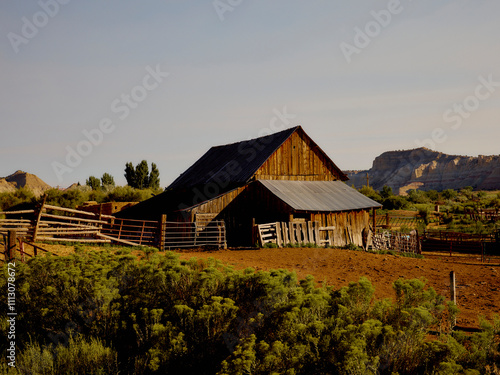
[
  {"x": 192, "y": 234},
  {"x": 53, "y": 223},
  {"x": 455, "y": 242},
  {"x": 13, "y": 245},
  {"x": 294, "y": 233},
  {"x": 398, "y": 220},
  {"x": 396, "y": 241},
  {"x": 301, "y": 233}
]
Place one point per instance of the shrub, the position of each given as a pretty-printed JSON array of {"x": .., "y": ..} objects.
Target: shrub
[
  {"x": 371, "y": 193},
  {"x": 449, "y": 194},
  {"x": 77, "y": 357},
  {"x": 395, "y": 202}
]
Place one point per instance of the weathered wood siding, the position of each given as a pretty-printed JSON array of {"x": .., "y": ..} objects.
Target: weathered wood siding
[
  {"x": 348, "y": 225},
  {"x": 297, "y": 159},
  {"x": 218, "y": 204}
]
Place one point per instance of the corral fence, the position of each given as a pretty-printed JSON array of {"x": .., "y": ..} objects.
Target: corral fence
[
  {"x": 192, "y": 234},
  {"x": 398, "y": 219},
  {"x": 59, "y": 224},
  {"x": 465, "y": 243},
  {"x": 397, "y": 241}
]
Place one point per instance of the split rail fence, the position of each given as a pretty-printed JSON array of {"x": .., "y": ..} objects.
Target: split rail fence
[{"x": 60, "y": 224}]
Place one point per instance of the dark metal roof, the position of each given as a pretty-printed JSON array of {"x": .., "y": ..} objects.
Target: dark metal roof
[
  {"x": 319, "y": 195},
  {"x": 232, "y": 163},
  {"x": 236, "y": 163}
]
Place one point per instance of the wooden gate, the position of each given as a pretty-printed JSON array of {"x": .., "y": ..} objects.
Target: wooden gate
[{"x": 176, "y": 235}]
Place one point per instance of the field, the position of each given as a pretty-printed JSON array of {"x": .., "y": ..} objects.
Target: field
[{"x": 478, "y": 284}]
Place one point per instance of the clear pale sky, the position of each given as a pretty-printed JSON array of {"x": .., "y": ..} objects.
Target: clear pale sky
[{"x": 361, "y": 77}]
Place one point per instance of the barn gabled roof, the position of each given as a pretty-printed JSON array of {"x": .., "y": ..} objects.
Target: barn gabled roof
[{"x": 236, "y": 163}]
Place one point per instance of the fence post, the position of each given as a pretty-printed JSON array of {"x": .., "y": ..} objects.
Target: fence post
[
  {"x": 387, "y": 220},
  {"x": 163, "y": 223},
  {"x": 11, "y": 244},
  {"x": 453, "y": 294},
  {"x": 38, "y": 217},
  {"x": 254, "y": 233},
  {"x": 278, "y": 234}
]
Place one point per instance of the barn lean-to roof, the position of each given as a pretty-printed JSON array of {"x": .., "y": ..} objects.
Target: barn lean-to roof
[{"x": 319, "y": 196}]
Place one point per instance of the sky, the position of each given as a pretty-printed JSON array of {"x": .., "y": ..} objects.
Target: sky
[{"x": 87, "y": 86}]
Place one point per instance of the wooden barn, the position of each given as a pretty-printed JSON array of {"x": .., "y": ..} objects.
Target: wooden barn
[{"x": 282, "y": 177}]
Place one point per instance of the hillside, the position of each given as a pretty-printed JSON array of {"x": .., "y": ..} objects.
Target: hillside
[
  {"x": 20, "y": 179},
  {"x": 426, "y": 169}
]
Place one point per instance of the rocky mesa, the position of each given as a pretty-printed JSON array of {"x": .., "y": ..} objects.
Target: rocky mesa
[
  {"x": 426, "y": 169},
  {"x": 20, "y": 179}
]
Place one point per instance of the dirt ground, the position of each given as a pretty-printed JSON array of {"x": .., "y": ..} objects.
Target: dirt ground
[{"x": 477, "y": 284}]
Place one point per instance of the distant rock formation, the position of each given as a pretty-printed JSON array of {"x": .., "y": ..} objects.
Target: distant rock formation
[
  {"x": 20, "y": 179},
  {"x": 426, "y": 169}
]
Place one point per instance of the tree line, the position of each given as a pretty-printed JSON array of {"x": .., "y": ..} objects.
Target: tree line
[{"x": 138, "y": 177}]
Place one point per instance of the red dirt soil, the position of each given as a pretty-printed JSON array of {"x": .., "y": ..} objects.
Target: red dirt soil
[{"x": 477, "y": 284}]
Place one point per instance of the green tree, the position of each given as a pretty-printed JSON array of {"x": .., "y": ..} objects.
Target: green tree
[
  {"x": 154, "y": 177},
  {"x": 107, "y": 180},
  {"x": 370, "y": 193},
  {"x": 386, "y": 192},
  {"x": 417, "y": 196},
  {"x": 93, "y": 182},
  {"x": 130, "y": 174},
  {"x": 432, "y": 194},
  {"x": 140, "y": 177},
  {"x": 449, "y": 194},
  {"x": 395, "y": 202}
]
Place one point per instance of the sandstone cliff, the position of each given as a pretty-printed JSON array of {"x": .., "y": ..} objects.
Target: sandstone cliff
[
  {"x": 20, "y": 179},
  {"x": 425, "y": 169}
]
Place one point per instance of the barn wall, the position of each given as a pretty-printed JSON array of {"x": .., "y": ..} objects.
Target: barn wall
[
  {"x": 239, "y": 207},
  {"x": 216, "y": 205},
  {"x": 298, "y": 158},
  {"x": 348, "y": 225}
]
